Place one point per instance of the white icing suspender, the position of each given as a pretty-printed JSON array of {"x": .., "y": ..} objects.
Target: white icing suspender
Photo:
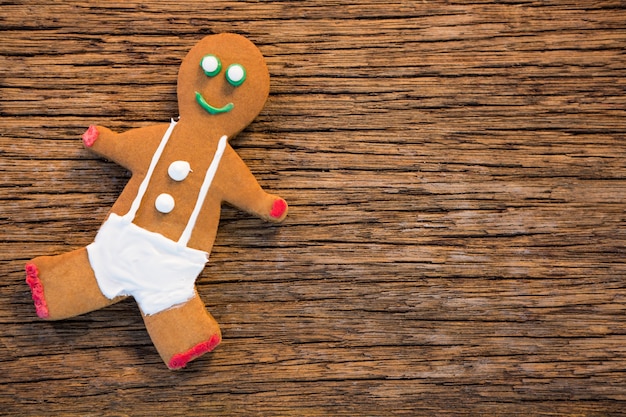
[
  {"x": 204, "y": 189},
  {"x": 130, "y": 216}
]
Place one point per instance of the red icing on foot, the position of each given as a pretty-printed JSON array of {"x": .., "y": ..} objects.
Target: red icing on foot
[
  {"x": 33, "y": 281},
  {"x": 278, "y": 208},
  {"x": 90, "y": 136},
  {"x": 180, "y": 360}
]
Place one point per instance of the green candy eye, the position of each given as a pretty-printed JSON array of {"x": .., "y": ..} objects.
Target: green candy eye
[
  {"x": 235, "y": 75},
  {"x": 211, "y": 65}
]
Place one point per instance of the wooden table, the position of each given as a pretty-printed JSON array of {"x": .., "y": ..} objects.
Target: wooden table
[{"x": 456, "y": 173}]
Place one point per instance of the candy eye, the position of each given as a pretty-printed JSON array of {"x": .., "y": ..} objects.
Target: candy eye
[
  {"x": 211, "y": 65},
  {"x": 236, "y": 75}
]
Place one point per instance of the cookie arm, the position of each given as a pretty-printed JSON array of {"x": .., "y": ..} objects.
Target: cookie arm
[
  {"x": 241, "y": 189},
  {"x": 129, "y": 149}
]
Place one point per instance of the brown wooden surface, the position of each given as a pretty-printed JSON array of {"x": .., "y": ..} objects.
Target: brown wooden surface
[{"x": 456, "y": 243}]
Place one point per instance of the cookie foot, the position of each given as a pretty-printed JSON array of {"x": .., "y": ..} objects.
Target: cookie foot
[
  {"x": 36, "y": 288},
  {"x": 180, "y": 360}
]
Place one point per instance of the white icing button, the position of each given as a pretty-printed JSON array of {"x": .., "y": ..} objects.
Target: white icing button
[
  {"x": 164, "y": 203},
  {"x": 179, "y": 170}
]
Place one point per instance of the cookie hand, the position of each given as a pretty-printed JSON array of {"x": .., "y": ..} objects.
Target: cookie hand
[
  {"x": 279, "y": 210},
  {"x": 90, "y": 136}
]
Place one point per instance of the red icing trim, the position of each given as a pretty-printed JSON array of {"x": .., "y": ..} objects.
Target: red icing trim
[
  {"x": 180, "y": 360},
  {"x": 278, "y": 208},
  {"x": 90, "y": 136},
  {"x": 33, "y": 281}
]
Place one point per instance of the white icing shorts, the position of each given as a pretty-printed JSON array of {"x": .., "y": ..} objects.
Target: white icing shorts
[{"x": 158, "y": 272}]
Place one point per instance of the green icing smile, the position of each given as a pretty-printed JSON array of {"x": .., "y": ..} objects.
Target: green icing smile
[{"x": 213, "y": 110}]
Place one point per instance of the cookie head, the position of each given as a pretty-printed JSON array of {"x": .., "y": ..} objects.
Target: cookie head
[{"x": 223, "y": 80}]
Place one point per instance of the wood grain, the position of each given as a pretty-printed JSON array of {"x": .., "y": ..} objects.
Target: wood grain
[{"x": 456, "y": 173}]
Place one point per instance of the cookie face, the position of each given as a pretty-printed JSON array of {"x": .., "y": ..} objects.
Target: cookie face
[{"x": 223, "y": 80}]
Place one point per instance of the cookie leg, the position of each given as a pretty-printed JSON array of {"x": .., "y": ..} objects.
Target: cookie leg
[
  {"x": 64, "y": 286},
  {"x": 183, "y": 333}
]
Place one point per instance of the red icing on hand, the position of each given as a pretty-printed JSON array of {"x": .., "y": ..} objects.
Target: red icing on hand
[
  {"x": 33, "y": 281},
  {"x": 180, "y": 360},
  {"x": 278, "y": 208},
  {"x": 90, "y": 136}
]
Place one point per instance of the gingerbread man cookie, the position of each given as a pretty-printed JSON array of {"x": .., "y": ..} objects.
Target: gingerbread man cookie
[{"x": 158, "y": 235}]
